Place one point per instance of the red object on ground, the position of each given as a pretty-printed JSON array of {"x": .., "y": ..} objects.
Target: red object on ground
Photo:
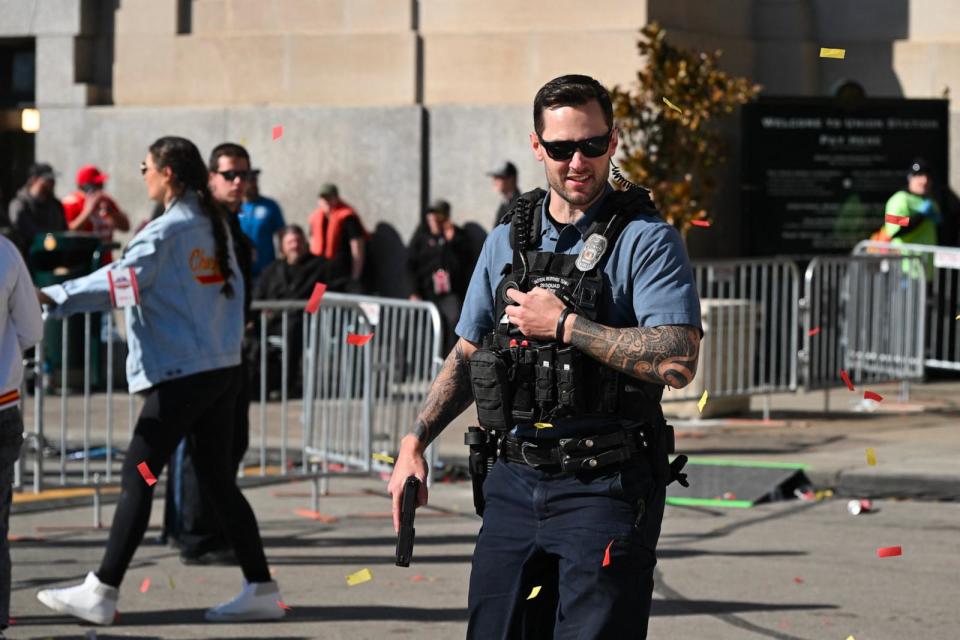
[
  {"x": 358, "y": 340},
  {"x": 798, "y": 580},
  {"x": 870, "y": 395},
  {"x": 846, "y": 380},
  {"x": 813, "y": 331},
  {"x": 148, "y": 476},
  {"x": 277, "y": 131},
  {"x": 283, "y": 606},
  {"x": 903, "y": 221},
  {"x": 700, "y": 223},
  {"x": 889, "y": 552},
  {"x": 145, "y": 585},
  {"x": 606, "y": 555},
  {"x": 314, "y": 303}
]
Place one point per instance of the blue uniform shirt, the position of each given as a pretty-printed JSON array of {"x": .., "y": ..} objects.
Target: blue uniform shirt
[
  {"x": 260, "y": 220},
  {"x": 648, "y": 281}
]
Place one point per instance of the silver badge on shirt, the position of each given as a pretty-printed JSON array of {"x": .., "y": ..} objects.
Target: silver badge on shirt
[{"x": 592, "y": 252}]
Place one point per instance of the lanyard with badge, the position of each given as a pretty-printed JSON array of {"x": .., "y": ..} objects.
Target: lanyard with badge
[{"x": 124, "y": 292}]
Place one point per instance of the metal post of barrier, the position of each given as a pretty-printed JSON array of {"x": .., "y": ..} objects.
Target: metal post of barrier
[
  {"x": 86, "y": 397},
  {"x": 308, "y": 393},
  {"x": 766, "y": 407},
  {"x": 314, "y": 494},
  {"x": 64, "y": 362},
  {"x": 284, "y": 382},
  {"x": 109, "y": 458},
  {"x": 97, "y": 521},
  {"x": 263, "y": 393}
]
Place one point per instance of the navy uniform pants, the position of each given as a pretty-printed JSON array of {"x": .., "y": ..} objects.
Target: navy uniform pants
[{"x": 553, "y": 530}]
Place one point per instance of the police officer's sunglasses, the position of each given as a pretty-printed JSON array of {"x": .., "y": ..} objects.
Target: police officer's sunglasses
[{"x": 564, "y": 149}]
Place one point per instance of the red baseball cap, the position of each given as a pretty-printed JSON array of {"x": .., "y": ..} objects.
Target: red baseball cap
[{"x": 89, "y": 174}]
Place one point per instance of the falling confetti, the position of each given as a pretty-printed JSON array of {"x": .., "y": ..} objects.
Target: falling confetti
[
  {"x": 283, "y": 606},
  {"x": 358, "y": 340},
  {"x": 359, "y": 577},
  {"x": 700, "y": 223},
  {"x": 314, "y": 303},
  {"x": 277, "y": 131},
  {"x": 832, "y": 53},
  {"x": 534, "y": 593},
  {"x": 901, "y": 221},
  {"x": 813, "y": 331},
  {"x": 382, "y": 457},
  {"x": 703, "y": 401},
  {"x": 889, "y": 552},
  {"x": 870, "y": 395},
  {"x": 148, "y": 477},
  {"x": 871, "y": 457},
  {"x": 543, "y": 425},
  {"x": 606, "y": 555},
  {"x": 145, "y": 585},
  {"x": 846, "y": 380},
  {"x": 673, "y": 106}
]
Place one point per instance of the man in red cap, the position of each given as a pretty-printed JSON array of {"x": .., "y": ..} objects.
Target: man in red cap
[{"x": 90, "y": 209}]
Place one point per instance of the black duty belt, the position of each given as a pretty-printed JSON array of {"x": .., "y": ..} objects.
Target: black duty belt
[{"x": 573, "y": 455}]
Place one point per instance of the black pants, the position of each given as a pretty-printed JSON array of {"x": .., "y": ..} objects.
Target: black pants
[{"x": 200, "y": 408}]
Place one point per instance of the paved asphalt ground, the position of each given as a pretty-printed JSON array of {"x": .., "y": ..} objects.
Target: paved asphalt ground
[{"x": 785, "y": 570}]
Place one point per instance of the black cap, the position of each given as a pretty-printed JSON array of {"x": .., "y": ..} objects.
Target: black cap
[
  {"x": 919, "y": 166},
  {"x": 439, "y": 206},
  {"x": 506, "y": 170},
  {"x": 41, "y": 170},
  {"x": 328, "y": 189}
]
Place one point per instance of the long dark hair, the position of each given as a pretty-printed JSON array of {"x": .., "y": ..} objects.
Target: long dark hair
[{"x": 189, "y": 172}]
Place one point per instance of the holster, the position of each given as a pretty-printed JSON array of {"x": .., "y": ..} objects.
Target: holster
[{"x": 483, "y": 455}]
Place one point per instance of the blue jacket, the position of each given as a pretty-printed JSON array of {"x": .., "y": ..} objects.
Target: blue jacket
[{"x": 184, "y": 324}]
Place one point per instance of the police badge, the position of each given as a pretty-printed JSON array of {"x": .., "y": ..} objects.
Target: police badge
[{"x": 592, "y": 252}]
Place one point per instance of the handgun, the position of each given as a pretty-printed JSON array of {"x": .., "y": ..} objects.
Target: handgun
[{"x": 408, "y": 506}]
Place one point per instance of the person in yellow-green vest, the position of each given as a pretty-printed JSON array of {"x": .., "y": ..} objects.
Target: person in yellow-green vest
[{"x": 911, "y": 216}]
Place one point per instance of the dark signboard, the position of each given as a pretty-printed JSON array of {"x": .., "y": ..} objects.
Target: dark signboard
[{"x": 817, "y": 172}]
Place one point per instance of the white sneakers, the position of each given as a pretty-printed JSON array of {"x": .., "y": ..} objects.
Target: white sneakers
[
  {"x": 92, "y": 601},
  {"x": 257, "y": 601},
  {"x": 96, "y": 602}
]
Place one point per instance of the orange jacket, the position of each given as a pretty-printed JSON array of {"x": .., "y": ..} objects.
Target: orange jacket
[{"x": 325, "y": 230}]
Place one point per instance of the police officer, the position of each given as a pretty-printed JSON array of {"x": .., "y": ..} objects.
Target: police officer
[{"x": 582, "y": 307}]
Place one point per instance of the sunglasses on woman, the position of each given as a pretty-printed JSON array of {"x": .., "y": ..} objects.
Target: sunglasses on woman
[{"x": 564, "y": 149}]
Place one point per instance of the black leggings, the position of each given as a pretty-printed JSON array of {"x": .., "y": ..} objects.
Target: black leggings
[{"x": 199, "y": 407}]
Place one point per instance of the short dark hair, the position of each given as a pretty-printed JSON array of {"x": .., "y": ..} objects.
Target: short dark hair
[
  {"x": 228, "y": 149},
  {"x": 293, "y": 228},
  {"x": 571, "y": 91}
]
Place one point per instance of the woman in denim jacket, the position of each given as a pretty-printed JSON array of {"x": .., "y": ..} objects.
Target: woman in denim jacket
[{"x": 184, "y": 356}]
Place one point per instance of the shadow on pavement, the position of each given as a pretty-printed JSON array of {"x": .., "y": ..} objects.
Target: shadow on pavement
[
  {"x": 386, "y": 558},
  {"x": 693, "y": 553},
  {"x": 718, "y": 607},
  {"x": 273, "y": 542}
]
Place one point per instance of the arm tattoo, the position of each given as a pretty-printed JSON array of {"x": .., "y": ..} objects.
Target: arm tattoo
[
  {"x": 449, "y": 396},
  {"x": 662, "y": 355}
]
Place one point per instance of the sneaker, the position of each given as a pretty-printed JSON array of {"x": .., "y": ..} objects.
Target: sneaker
[
  {"x": 92, "y": 601},
  {"x": 257, "y": 601}
]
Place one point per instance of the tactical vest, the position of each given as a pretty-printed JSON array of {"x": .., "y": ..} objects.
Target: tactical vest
[{"x": 518, "y": 380}]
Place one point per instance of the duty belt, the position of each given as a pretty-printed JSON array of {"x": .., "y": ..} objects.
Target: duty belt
[{"x": 573, "y": 455}]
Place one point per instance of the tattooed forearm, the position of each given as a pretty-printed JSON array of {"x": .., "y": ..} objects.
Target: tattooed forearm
[
  {"x": 663, "y": 355},
  {"x": 449, "y": 396}
]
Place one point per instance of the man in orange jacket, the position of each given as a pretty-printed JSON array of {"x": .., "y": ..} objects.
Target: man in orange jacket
[{"x": 337, "y": 234}]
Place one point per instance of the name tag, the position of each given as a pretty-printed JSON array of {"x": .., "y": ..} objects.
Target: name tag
[{"x": 123, "y": 288}]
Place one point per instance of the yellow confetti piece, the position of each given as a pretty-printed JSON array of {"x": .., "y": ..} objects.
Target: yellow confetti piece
[
  {"x": 543, "y": 425},
  {"x": 673, "y": 106},
  {"x": 851, "y": 638},
  {"x": 832, "y": 53},
  {"x": 958, "y": 317},
  {"x": 359, "y": 577},
  {"x": 170, "y": 583},
  {"x": 871, "y": 457},
  {"x": 534, "y": 593},
  {"x": 703, "y": 401},
  {"x": 382, "y": 457}
]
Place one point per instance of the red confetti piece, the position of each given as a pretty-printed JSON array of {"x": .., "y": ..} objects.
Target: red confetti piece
[
  {"x": 145, "y": 585},
  {"x": 417, "y": 579},
  {"x": 813, "y": 331},
  {"x": 798, "y": 580},
  {"x": 277, "y": 131},
  {"x": 148, "y": 476},
  {"x": 358, "y": 340},
  {"x": 903, "y": 221},
  {"x": 606, "y": 555},
  {"x": 700, "y": 223},
  {"x": 870, "y": 395},
  {"x": 283, "y": 606},
  {"x": 314, "y": 303},
  {"x": 889, "y": 552},
  {"x": 846, "y": 380}
]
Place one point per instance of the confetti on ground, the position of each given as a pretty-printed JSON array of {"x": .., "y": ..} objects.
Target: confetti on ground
[
  {"x": 148, "y": 476},
  {"x": 417, "y": 578},
  {"x": 832, "y": 53},
  {"x": 543, "y": 425},
  {"x": 813, "y": 331},
  {"x": 283, "y": 606},
  {"x": 534, "y": 593},
  {"x": 359, "y": 577},
  {"x": 703, "y": 401},
  {"x": 798, "y": 580},
  {"x": 277, "y": 131},
  {"x": 870, "y": 395},
  {"x": 846, "y": 380},
  {"x": 358, "y": 340},
  {"x": 314, "y": 303},
  {"x": 145, "y": 585},
  {"x": 673, "y": 106},
  {"x": 901, "y": 221},
  {"x": 316, "y": 515},
  {"x": 851, "y": 638},
  {"x": 700, "y": 223},
  {"x": 170, "y": 583},
  {"x": 606, "y": 555},
  {"x": 889, "y": 552},
  {"x": 382, "y": 457},
  {"x": 871, "y": 457}
]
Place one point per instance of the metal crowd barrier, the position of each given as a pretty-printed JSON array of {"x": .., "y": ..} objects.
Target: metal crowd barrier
[
  {"x": 942, "y": 268},
  {"x": 864, "y": 315}
]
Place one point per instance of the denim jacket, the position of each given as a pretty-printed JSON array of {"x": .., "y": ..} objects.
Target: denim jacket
[{"x": 183, "y": 324}]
